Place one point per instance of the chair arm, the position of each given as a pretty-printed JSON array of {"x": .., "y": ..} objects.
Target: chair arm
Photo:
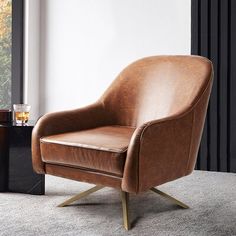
[
  {"x": 65, "y": 121},
  {"x": 159, "y": 152}
]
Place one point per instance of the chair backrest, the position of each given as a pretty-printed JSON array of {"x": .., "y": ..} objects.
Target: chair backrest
[{"x": 156, "y": 87}]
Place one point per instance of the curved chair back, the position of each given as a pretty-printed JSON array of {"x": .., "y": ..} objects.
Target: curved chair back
[{"x": 156, "y": 87}]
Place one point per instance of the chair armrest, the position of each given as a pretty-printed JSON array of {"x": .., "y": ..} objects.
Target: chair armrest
[
  {"x": 65, "y": 121},
  {"x": 166, "y": 149},
  {"x": 158, "y": 153}
]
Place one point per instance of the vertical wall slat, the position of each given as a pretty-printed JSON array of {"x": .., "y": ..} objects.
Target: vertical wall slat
[
  {"x": 203, "y": 151},
  {"x": 213, "y": 106},
  {"x": 232, "y": 125},
  {"x": 195, "y": 41},
  {"x": 223, "y": 75}
]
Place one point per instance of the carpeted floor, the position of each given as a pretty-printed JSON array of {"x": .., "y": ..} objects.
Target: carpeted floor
[{"x": 211, "y": 196}]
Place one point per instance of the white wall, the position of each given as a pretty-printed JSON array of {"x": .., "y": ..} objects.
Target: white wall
[
  {"x": 32, "y": 56},
  {"x": 85, "y": 44}
]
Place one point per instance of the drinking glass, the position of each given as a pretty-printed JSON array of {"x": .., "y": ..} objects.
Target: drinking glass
[{"x": 21, "y": 113}]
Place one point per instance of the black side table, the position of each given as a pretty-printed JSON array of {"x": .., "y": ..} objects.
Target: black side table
[{"x": 16, "y": 172}]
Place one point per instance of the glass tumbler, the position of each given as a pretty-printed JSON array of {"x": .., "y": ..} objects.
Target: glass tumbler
[{"x": 21, "y": 113}]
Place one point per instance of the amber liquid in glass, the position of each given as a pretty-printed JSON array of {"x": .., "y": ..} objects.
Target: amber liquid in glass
[{"x": 21, "y": 117}]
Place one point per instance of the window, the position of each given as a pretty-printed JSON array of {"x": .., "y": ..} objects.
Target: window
[
  {"x": 5, "y": 53},
  {"x": 11, "y": 52}
]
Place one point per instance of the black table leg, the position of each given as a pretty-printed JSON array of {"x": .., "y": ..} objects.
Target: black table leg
[{"x": 3, "y": 159}]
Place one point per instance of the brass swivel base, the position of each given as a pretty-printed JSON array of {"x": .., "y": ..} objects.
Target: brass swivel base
[
  {"x": 80, "y": 195},
  {"x": 124, "y": 199}
]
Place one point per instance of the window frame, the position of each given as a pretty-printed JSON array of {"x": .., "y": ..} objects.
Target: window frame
[{"x": 17, "y": 65}]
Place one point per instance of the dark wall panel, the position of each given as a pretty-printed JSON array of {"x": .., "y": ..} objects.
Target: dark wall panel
[{"x": 214, "y": 36}]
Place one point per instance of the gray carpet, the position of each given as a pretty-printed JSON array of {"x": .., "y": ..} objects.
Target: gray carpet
[{"x": 212, "y": 197}]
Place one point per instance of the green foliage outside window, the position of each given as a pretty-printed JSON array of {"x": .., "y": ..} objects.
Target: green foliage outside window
[{"x": 5, "y": 53}]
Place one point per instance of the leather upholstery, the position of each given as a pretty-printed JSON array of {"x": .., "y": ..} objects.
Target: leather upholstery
[
  {"x": 156, "y": 87},
  {"x": 66, "y": 121},
  {"x": 84, "y": 175},
  {"x": 170, "y": 143},
  {"x": 102, "y": 149},
  {"x": 161, "y": 100}
]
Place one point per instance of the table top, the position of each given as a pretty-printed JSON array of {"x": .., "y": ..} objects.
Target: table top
[{"x": 30, "y": 123}]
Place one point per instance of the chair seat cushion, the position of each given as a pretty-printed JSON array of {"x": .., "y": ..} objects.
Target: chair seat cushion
[{"x": 100, "y": 149}]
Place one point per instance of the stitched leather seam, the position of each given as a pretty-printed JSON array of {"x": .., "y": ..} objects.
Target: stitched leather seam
[
  {"x": 191, "y": 140},
  {"x": 81, "y": 146},
  {"x": 139, "y": 150},
  {"x": 126, "y": 126},
  {"x": 138, "y": 177},
  {"x": 137, "y": 185}
]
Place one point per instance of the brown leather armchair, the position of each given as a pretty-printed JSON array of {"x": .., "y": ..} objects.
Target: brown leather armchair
[{"x": 144, "y": 131}]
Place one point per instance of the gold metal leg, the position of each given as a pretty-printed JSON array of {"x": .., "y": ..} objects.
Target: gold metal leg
[
  {"x": 179, "y": 203},
  {"x": 81, "y": 195},
  {"x": 125, "y": 206}
]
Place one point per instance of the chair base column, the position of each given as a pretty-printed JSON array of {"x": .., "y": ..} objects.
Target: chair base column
[{"x": 125, "y": 207}]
